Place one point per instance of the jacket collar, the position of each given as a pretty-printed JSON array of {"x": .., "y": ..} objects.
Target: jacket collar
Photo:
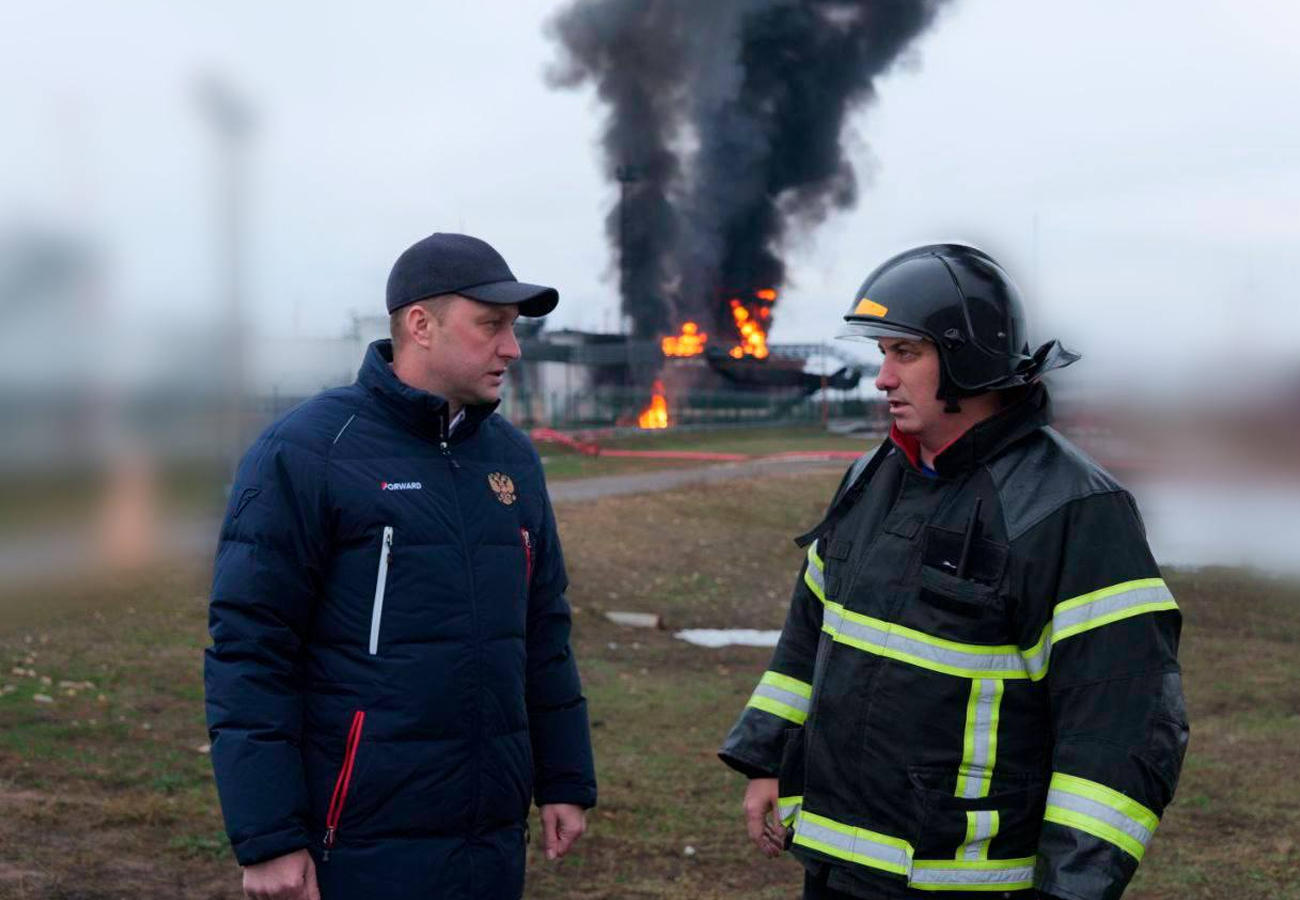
[
  {"x": 424, "y": 413},
  {"x": 984, "y": 440}
]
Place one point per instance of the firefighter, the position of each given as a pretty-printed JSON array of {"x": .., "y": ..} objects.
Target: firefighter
[{"x": 977, "y": 687}]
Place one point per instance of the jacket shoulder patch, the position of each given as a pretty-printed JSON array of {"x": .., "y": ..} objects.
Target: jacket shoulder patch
[{"x": 1044, "y": 474}]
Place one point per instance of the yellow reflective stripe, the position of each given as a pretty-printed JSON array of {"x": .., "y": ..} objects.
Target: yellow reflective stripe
[
  {"x": 1122, "y": 588},
  {"x": 814, "y": 574},
  {"x": 1093, "y": 610},
  {"x": 981, "y": 827},
  {"x": 814, "y": 558},
  {"x": 785, "y": 682},
  {"x": 1100, "y": 811},
  {"x": 783, "y": 696},
  {"x": 919, "y": 649},
  {"x": 1096, "y": 828},
  {"x": 787, "y": 808},
  {"x": 972, "y": 875},
  {"x": 857, "y": 845},
  {"x": 980, "y": 741},
  {"x": 777, "y": 708},
  {"x": 1109, "y": 796}
]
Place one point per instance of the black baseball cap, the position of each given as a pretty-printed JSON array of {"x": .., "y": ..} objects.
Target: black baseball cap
[{"x": 446, "y": 263}]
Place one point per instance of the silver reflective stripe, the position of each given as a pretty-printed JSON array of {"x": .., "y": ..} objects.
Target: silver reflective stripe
[
  {"x": 980, "y": 751},
  {"x": 955, "y": 876},
  {"x": 780, "y": 695},
  {"x": 815, "y": 573},
  {"x": 1100, "y": 811},
  {"x": 832, "y": 619},
  {"x": 783, "y": 696},
  {"x": 381, "y": 584},
  {"x": 1070, "y": 621},
  {"x": 1036, "y": 662},
  {"x": 1093, "y": 610},
  {"x": 856, "y": 847},
  {"x": 985, "y": 827},
  {"x": 888, "y": 639}
]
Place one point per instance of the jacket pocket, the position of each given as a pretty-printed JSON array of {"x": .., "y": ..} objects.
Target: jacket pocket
[
  {"x": 339, "y": 798},
  {"x": 958, "y": 595},
  {"x": 1002, "y": 826},
  {"x": 381, "y": 586},
  {"x": 964, "y": 557}
]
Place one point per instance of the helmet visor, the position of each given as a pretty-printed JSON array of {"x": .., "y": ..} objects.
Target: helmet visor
[{"x": 874, "y": 331}]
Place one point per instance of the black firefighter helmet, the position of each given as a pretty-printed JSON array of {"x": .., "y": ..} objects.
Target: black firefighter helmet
[{"x": 963, "y": 301}]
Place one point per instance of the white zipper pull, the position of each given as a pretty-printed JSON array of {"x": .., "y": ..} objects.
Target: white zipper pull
[{"x": 381, "y": 585}]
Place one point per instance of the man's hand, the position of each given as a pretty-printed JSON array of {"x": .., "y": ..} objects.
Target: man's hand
[
  {"x": 288, "y": 877},
  {"x": 762, "y": 818},
  {"x": 562, "y": 825}
]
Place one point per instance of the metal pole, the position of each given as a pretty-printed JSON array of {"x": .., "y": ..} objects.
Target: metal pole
[{"x": 232, "y": 123}]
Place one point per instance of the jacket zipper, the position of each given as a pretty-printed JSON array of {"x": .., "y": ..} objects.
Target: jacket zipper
[
  {"x": 340, "y": 795},
  {"x": 477, "y": 733},
  {"x": 443, "y": 438},
  {"x": 528, "y": 559},
  {"x": 381, "y": 584}
]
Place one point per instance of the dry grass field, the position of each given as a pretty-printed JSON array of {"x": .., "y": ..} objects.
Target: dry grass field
[{"x": 106, "y": 791}]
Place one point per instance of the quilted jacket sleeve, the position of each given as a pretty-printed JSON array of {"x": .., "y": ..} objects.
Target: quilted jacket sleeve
[{"x": 270, "y": 558}]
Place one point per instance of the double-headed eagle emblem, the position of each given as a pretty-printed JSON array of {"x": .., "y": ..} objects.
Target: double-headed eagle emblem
[{"x": 503, "y": 487}]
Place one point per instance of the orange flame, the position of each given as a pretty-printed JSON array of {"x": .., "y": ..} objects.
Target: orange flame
[
  {"x": 689, "y": 343},
  {"x": 753, "y": 336},
  {"x": 656, "y": 414},
  {"x": 751, "y": 327}
]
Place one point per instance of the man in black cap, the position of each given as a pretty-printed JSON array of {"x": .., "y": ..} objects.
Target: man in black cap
[{"x": 390, "y": 682}]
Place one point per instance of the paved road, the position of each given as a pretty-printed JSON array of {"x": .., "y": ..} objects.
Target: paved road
[{"x": 581, "y": 489}]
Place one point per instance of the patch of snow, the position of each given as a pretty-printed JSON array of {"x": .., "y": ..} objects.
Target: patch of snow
[{"x": 726, "y": 637}]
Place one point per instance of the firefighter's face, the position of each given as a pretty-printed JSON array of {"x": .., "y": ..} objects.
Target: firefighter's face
[
  {"x": 909, "y": 379},
  {"x": 469, "y": 347}
]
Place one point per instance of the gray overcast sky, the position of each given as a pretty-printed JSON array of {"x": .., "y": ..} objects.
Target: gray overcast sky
[{"x": 1156, "y": 143}]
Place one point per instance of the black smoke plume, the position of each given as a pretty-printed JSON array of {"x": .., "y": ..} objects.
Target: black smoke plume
[{"x": 726, "y": 126}]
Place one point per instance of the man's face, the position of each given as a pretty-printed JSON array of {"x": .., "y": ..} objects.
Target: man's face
[
  {"x": 470, "y": 348},
  {"x": 909, "y": 379}
]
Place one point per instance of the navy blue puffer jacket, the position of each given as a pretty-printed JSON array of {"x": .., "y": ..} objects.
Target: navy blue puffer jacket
[{"x": 390, "y": 680}]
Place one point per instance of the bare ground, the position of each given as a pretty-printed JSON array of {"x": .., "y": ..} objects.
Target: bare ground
[{"x": 105, "y": 791}]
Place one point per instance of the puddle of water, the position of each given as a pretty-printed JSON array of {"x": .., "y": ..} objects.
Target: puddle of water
[{"x": 726, "y": 637}]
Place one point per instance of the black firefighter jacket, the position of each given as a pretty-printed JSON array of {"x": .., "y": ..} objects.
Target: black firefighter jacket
[
  {"x": 977, "y": 687},
  {"x": 390, "y": 682}
]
